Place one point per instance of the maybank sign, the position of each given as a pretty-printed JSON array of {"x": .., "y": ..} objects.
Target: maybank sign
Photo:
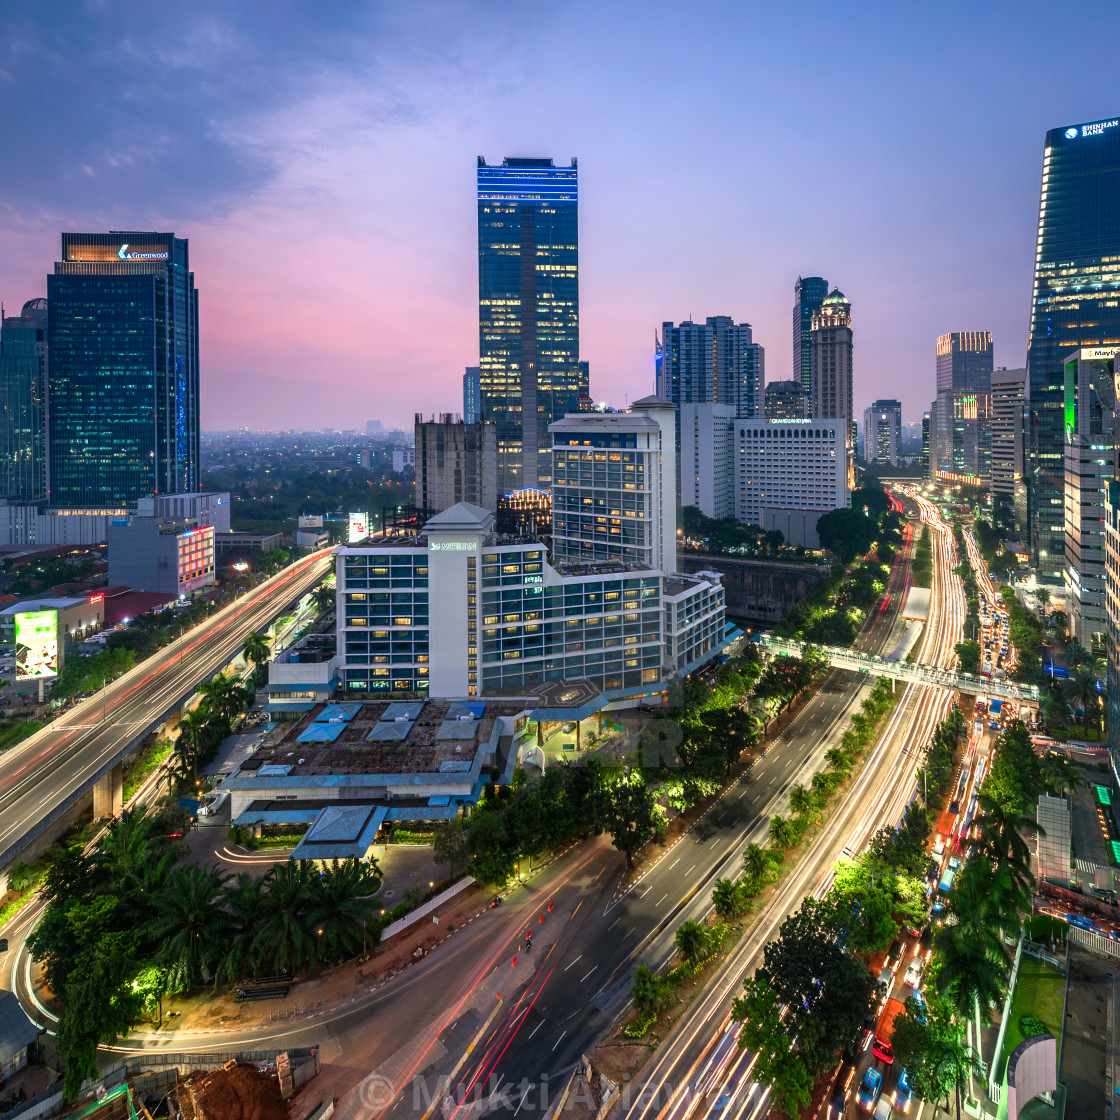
[
  {"x": 1098, "y": 353},
  {"x": 125, "y": 255},
  {"x": 1094, "y": 129}
]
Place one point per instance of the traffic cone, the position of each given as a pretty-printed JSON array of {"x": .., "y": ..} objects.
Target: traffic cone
[
  {"x": 513, "y": 963},
  {"x": 540, "y": 920}
]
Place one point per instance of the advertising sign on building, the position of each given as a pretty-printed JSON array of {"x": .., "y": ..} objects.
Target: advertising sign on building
[
  {"x": 359, "y": 527},
  {"x": 36, "y": 645},
  {"x": 310, "y": 521}
]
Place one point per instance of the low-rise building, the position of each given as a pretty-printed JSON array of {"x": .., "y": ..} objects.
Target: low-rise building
[
  {"x": 234, "y": 541},
  {"x": 404, "y": 458},
  {"x": 169, "y": 555},
  {"x": 302, "y": 676}
]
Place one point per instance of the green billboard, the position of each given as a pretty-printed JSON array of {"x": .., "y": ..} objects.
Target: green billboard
[{"x": 36, "y": 645}]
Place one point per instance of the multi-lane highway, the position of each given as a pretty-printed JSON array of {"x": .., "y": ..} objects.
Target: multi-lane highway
[
  {"x": 43, "y": 776},
  {"x": 699, "y": 1071}
]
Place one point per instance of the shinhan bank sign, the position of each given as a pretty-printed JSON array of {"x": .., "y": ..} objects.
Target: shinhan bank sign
[{"x": 1094, "y": 129}]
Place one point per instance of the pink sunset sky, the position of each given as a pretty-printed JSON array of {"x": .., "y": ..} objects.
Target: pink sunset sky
[{"x": 321, "y": 161}]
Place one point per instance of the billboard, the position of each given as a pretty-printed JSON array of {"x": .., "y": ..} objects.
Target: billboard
[
  {"x": 310, "y": 521},
  {"x": 359, "y": 527},
  {"x": 36, "y": 645}
]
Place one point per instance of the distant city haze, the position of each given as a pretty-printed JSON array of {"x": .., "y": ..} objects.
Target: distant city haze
[{"x": 322, "y": 162}]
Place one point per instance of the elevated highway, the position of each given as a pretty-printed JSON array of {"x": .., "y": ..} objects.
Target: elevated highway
[{"x": 47, "y": 774}]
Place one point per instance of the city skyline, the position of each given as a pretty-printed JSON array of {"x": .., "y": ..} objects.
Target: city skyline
[{"x": 344, "y": 166}]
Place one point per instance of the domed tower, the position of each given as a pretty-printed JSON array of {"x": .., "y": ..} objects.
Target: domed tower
[{"x": 832, "y": 363}]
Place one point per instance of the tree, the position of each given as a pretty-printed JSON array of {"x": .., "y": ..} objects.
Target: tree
[
  {"x": 101, "y": 1006},
  {"x": 196, "y": 736},
  {"x": 1060, "y": 773},
  {"x": 755, "y": 861},
  {"x": 244, "y": 901},
  {"x": 782, "y": 832},
  {"x": 286, "y": 939},
  {"x": 224, "y": 696},
  {"x": 847, "y": 533},
  {"x": 257, "y": 648},
  {"x": 323, "y": 598},
  {"x": 765, "y": 1032},
  {"x": 802, "y": 802},
  {"x": 826, "y": 989},
  {"x": 651, "y": 993},
  {"x": 693, "y": 942},
  {"x": 451, "y": 844},
  {"x": 971, "y": 968},
  {"x": 729, "y": 898},
  {"x": 871, "y": 899},
  {"x": 1001, "y": 838},
  {"x": 969, "y": 653},
  {"x": 904, "y": 848},
  {"x": 191, "y": 925},
  {"x": 1015, "y": 779},
  {"x": 628, "y": 810},
  {"x": 1080, "y": 689},
  {"x": 342, "y": 907},
  {"x": 930, "y": 1046}
]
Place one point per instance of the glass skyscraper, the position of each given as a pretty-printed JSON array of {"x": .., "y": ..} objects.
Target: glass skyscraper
[
  {"x": 23, "y": 383},
  {"x": 528, "y": 310},
  {"x": 714, "y": 362},
  {"x": 1075, "y": 303},
  {"x": 964, "y": 407},
  {"x": 123, "y": 370},
  {"x": 808, "y": 295}
]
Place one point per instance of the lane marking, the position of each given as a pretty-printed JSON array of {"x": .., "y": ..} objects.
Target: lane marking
[
  {"x": 559, "y": 1040},
  {"x": 579, "y": 958},
  {"x": 593, "y": 967}
]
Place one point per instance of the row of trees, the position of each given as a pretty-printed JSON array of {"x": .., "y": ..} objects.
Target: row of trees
[
  {"x": 921, "y": 564},
  {"x": 125, "y": 925},
  {"x": 989, "y": 901},
  {"x": 814, "y": 984},
  {"x": 202, "y": 730}
]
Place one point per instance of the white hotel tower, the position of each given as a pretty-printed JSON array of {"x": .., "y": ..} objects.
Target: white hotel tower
[{"x": 460, "y": 611}]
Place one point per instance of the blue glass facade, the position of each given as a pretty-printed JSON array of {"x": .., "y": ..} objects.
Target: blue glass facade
[
  {"x": 808, "y": 295},
  {"x": 123, "y": 376},
  {"x": 1076, "y": 302},
  {"x": 528, "y": 310},
  {"x": 23, "y": 382}
]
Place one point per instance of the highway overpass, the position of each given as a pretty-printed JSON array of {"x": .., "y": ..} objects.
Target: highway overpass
[
  {"x": 48, "y": 773},
  {"x": 906, "y": 671}
]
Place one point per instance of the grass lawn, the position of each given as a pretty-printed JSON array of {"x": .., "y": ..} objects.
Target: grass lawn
[{"x": 1040, "y": 991}]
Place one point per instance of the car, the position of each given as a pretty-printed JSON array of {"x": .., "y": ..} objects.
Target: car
[
  {"x": 868, "y": 1092},
  {"x": 914, "y": 973},
  {"x": 883, "y": 1050},
  {"x": 1081, "y": 922},
  {"x": 567, "y": 729},
  {"x": 903, "y": 1094},
  {"x": 894, "y": 953},
  {"x": 883, "y": 1108}
]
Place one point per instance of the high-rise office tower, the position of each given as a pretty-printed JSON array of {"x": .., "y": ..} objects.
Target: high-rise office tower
[
  {"x": 472, "y": 395},
  {"x": 707, "y": 465},
  {"x": 1007, "y": 432},
  {"x": 786, "y": 400},
  {"x": 808, "y": 295},
  {"x": 714, "y": 362},
  {"x": 882, "y": 432},
  {"x": 831, "y": 398},
  {"x": 122, "y": 378},
  {"x": 528, "y": 310},
  {"x": 964, "y": 404},
  {"x": 925, "y": 441},
  {"x": 1075, "y": 303},
  {"x": 23, "y": 386}
]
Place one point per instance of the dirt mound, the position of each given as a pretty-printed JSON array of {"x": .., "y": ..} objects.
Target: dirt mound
[{"x": 241, "y": 1092}]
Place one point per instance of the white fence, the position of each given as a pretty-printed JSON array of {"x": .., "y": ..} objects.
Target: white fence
[{"x": 1095, "y": 943}]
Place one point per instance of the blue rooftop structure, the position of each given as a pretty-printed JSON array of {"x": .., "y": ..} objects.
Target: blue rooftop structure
[
  {"x": 321, "y": 732},
  {"x": 334, "y": 712}
]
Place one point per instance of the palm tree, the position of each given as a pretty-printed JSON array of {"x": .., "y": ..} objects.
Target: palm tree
[
  {"x": 692, "y": 941},
  {"x": 1081, "y": 687},
  {"x": 782, "y": 832},
  {"x": 286, "y": 939},
  {"x": 728, "y": 898},
  {"x": 801, "y": 800},
  {"x": 224, "y": 696},
  {"x": 191, "y": 924},
  {"x": 755, "y": 861},
  {"x": 1001, "y": 838},
  {"x": 969, "y": 976},
  {"x": 257, "y": 648},
  {"x": 323, "y": 598},
  {"x": 125, "y": 850},
  {"x": 1077, "y": 655},
  {"x": 245, "y": 903},
  {"x": 838, "y": 759},
  {"x": 343, "y": 907},
  {"x": 195, "y": 736},
  {"x": 649, "y": 991},
  {"x": 1059, "y": 773}
]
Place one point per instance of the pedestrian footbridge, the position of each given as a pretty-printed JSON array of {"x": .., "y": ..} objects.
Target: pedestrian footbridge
[{"x": 841, "y": 658}]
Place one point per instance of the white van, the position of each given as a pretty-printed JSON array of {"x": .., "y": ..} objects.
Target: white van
[{"x": 939, "y": 849}]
